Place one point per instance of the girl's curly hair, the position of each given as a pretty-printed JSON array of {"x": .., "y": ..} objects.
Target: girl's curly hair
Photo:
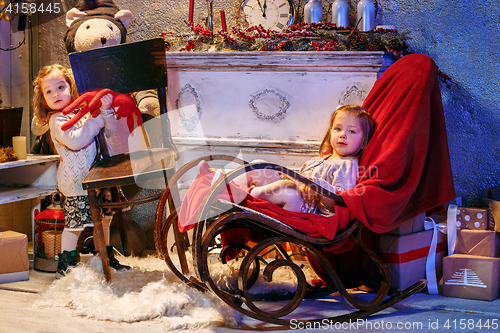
[{"x": 40, "y": 108}]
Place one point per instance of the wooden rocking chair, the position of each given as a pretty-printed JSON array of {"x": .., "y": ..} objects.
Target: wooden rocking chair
[{"x": 410, "y": 153}]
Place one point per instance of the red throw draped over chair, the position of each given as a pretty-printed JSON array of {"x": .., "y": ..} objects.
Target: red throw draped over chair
[{"x": 404, "y": 171}]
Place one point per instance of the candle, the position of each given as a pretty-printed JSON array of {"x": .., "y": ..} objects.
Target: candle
[
  {"x": 386, "y": 27},
  {"x": 19, "y": 146},
  {"x": 191, "y": 11},
  {"x": 223, "y": 20}
]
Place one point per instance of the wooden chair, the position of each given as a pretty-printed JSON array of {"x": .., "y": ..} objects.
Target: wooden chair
[
  {"x": 125, "y": 68},
  {"x": 406, "y": 107}
]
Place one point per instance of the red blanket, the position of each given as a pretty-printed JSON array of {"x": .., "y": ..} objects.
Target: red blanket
[
  {"x": 404, "y": 171},
  {"x": 406, "y": 164},
  {"x": 311, "y": 224}
]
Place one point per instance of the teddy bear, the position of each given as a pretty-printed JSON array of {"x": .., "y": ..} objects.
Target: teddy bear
[
  {"x": 97, "y": 23},
  {"x": 93, "y": 24}
]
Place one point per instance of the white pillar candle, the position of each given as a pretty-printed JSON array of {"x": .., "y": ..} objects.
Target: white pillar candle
[{"x": 19, "y": 146}]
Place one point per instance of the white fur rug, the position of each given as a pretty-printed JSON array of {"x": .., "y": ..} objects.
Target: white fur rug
[{"x": 150, "y": 291}]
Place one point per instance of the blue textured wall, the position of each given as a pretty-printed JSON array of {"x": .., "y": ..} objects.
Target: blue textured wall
[{"x": 462, "y": 37}]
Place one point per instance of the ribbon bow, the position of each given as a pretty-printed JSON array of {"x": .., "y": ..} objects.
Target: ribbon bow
[{"x": 430, "y": 265}]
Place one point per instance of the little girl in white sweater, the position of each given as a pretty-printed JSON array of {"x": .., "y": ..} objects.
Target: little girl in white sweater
[{"x": 55, "y": 89}]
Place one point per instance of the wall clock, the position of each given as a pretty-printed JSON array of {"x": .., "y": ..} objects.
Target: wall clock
[{"x": 272, "y": 14}]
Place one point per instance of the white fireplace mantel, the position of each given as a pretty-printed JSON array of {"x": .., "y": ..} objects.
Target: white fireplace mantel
[
  {"x": 347, "y": 61},
  {"x": 270, "y": 105}
]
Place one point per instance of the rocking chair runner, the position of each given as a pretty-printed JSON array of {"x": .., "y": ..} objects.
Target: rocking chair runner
[{"x": 404, "y": 171}]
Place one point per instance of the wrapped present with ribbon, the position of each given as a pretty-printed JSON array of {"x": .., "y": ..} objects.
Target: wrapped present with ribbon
[
  {"x": 460, "y": 201},
  {"x": 414, "y": 225},
  {"x": 472, "y": 218},
  {"x": 478, "y": 242},
  {"x": 406, "y": 256},
  {"x": 472, "y": 277},
  {"x": 455, "y": 245}
]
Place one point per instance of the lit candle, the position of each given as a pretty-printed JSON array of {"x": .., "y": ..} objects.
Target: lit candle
[
  {"x": 223, "y": 20},
  {"x": 19, "y": 146},
  {"x": 191, "y": 11}
]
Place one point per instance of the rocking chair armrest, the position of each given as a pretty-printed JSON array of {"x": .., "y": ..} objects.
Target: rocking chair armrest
[{"x": 194, "y": 163}]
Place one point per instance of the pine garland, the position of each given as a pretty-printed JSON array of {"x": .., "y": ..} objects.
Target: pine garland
[
  {"x": 7, "y": 154},
  {"x": 322, "y": 36}
]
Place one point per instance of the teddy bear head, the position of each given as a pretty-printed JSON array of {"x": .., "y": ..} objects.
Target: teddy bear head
[{"x": 95, "y": 23}]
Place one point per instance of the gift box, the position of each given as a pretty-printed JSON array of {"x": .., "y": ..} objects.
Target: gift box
[
  {"x": 406, "y": 256},
  {"x": 414, "y": 225},
  {"x": 459, "y": 200},
  {"x": 493, "y": 205},
  {"x": 472, "y": 277},
  {"x": 472, "y": 218},
  {"x": 494, "y": 214},
  {"x": 14, "y": 264},
  {"x": 493, "y": 193},
  {"x": 478, "y": 242}
]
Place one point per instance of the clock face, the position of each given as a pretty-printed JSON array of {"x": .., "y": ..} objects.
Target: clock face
[{"x": 272, "y": 14}]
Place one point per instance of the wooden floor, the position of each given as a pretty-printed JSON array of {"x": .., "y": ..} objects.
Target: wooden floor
[{"x": 419, "y": 313}]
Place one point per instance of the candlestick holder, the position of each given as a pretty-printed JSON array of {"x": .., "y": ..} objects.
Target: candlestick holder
[{"x": 209, "y": 18}]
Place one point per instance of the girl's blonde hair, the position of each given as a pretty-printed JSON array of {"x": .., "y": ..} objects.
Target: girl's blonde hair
[
  {"x": 367, "y": 127},
  {"x": 40, "y": 108}
]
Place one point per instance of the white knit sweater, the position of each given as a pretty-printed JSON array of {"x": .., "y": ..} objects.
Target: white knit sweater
[{"x": 76, "y": 147}]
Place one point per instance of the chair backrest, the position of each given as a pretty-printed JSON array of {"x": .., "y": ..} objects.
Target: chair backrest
[
  {"x": 126, "y": 68},
  {"x": 123, "y": 68}
]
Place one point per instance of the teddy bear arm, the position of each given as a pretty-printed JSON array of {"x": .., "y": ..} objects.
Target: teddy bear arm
[{"x": 147, "y": 101}]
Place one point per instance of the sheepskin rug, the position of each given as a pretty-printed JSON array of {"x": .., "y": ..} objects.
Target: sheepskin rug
[{"x": 150, "y": 291}]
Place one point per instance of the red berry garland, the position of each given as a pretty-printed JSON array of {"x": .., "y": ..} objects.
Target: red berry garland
[{"x": 323, "y": 36}]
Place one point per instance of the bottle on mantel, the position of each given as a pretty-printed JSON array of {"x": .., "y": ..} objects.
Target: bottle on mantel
[
  {"x": 340, "y": 13},
  {"x": 366, "y": 10},
  {"x": 313, "y": 12}
]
